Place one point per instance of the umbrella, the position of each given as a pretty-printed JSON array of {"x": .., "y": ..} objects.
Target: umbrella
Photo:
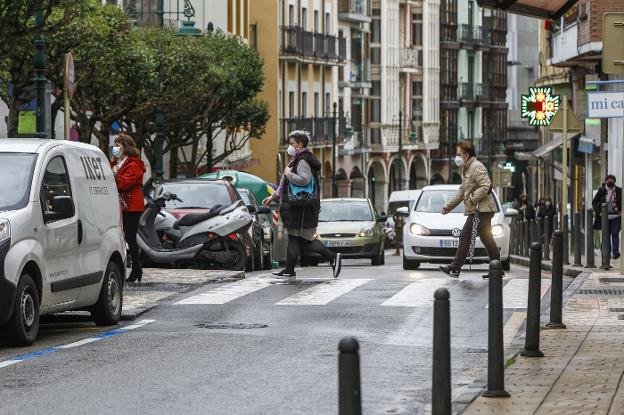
[{"x": 242, "y": 180}]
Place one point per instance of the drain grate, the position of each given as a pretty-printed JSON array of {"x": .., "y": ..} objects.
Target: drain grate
[
  {"x": 473, "y": 350},
  {"x": 608, "y": 280},
  {"x": 603, "y": 291},
  {"x": 229, "y": 326},
  {"x": 165, "y": 287}
]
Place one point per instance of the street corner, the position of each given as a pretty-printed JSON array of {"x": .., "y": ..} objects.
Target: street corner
[{"x": 161, "y": 284}]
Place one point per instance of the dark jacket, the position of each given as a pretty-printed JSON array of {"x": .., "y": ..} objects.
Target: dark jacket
[
  {"x": 296, "y": 217},
  {"x": 600, "y": 198}
]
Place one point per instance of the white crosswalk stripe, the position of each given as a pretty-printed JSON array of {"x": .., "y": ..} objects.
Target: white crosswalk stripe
[
  {"x": 417, "y": 294},
  {"x": 323, "y": 293},
  {"x": 516, "y": 293},
  {"x": 228, "y": 292}
]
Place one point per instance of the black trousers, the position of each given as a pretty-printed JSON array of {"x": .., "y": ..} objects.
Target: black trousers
[
  {"x": 297, "y": 246},
  {"x": 484, "y": 230},
  {"x": 130, "y": 226}
]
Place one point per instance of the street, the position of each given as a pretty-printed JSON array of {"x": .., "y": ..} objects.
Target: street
[{"x": 254, "y": 346}]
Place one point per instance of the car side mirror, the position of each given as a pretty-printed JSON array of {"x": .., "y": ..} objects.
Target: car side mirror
[
  {"x": 403, "y": 211},
  {"x": 251, "y": 208},
  {"x": 62, "y": 208},
  {"x": 511, "y": 212},
  {"x": 263, "y": 210}
]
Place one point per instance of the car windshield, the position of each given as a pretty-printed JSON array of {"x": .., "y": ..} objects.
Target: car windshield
[
  {"x": 431, "y": 201},
  {"x": 344, "y": 211},
  {"x": 16, "y": 172},
  {"x": 198, "y": 195}
]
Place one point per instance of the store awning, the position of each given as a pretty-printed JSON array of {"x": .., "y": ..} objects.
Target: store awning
[
  {"x": 551, "y": 145},
  {"x": 543, "y": 9}
]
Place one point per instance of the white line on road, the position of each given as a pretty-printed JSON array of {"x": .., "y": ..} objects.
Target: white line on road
[
  {"x": 228, "y": 292},
  {"x": 516, "y": 293},
  {"x": 417, "y": 294},
  {"x": 323, "y": 293}
]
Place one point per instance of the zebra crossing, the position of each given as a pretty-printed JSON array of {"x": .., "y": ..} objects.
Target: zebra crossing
[{"x": 324, "y": 292}]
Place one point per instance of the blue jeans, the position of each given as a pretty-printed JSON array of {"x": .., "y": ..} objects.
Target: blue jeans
[{"x": 614, "y": 231}]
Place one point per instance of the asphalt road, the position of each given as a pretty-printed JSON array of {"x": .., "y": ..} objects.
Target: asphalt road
[{"x": 257, "y": 347}]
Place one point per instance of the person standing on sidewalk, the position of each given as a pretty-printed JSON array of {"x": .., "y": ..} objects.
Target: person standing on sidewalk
[
  {"x": 610, "y": 194},
  {"x": 301, "y": 221},
  {"x": 129, "y": 170},
  {"x": 475, "y": 191}
]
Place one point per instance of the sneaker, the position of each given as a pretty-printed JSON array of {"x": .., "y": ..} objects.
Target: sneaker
[
  {"x": 337, "y": 265},
  {"x": 285, "y": 274},
  {"x": 450, "y": 271}
]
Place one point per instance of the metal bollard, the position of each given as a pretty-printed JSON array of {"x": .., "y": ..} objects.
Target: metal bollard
[
  {"x": 556, "y": 288},
  {"x": 531, "y": 343},
  {"x": 349, "y": 395},
  {"x": 547, "y": 228},
  {"x": 578, "y": 243},
  {"x": 566, "y": 246},
  {"x": 514, "y": 235},
  {"x": 496, "y": 349},
  {"x": 538, "y": 230},
  {"x": 441, "y": 376},
  {"x": 526, "y": 238},
  {"x": 604, "y": 233},
  {"x": 589, "y": 240}
]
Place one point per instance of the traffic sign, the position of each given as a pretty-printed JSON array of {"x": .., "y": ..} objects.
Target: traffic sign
[
  {"x": 613, "y": 39},
  {"x": 70, "y": 74}
]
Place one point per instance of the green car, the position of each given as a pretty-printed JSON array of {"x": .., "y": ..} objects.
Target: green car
[{"x": 353, "y": 228}]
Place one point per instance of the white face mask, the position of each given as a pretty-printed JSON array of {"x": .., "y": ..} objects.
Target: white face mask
[
  {"x": 291, "y": 151},
  {"x": 459, "y": 160},
  {"x": 116, "y": 152}
]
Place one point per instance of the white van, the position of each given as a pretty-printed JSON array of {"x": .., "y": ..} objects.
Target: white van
[
  {"x": 61, "y": 240},
  {"x": 399, "y": 199}
]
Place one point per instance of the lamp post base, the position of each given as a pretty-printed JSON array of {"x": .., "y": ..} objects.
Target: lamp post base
[{"x": 496, "y": 394}]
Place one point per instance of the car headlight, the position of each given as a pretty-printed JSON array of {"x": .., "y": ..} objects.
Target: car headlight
[
  {"x": 417, "y": 229},
  {"x": 315, "y": 235},
  {"x": 497, "y": 230},
  {"x": 365, "y": 232},
  {"x": 5, "y": 230}
]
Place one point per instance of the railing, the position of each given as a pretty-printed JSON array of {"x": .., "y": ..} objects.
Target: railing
[
  {"x": 330, "y": 47},
  {"x": 296, "y": 41},
  {"x": 352, "y": 6},
  {"x": 448, "y": 92},
  {"x": 483, "y": 92},
  {"x": 466, "y": 91},
  {"x": 448, "y": 32},
  {"x": 320, "y": 128},
  {"x": 360, "y": 72},
  {"x": 477, "y": 35}
]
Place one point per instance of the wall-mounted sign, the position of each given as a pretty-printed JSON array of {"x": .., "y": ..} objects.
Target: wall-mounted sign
[
  {"x": 539, "y": 106},
  {"x": 605, "y": 104}
]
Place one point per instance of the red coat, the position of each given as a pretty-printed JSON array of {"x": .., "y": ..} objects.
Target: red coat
[{"x": 129, "y": 181}]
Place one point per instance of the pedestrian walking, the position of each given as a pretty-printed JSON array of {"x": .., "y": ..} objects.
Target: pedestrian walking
[
  {"x": 526, "y": 209},
  {"x": 610, "y": 194},
  {"x": 546, "y": 209},
  {"x": 129, "y": 170},
  {"x": 399, "y": 222},
  {"x": 479, "y": 207},
  {"x": 300, "y": 205}
]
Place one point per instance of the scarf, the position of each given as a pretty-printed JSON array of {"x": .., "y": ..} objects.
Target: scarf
[{"x": 291, "y": 163}]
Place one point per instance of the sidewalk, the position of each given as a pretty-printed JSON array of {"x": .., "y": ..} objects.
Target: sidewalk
[
  {"x": 583, "y": 366},
  {"x": 159, "y": 284},
  {"x": 569, "y": 270}
]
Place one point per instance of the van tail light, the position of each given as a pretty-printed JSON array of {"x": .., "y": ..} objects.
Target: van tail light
[{"x": 233, "y": 236}]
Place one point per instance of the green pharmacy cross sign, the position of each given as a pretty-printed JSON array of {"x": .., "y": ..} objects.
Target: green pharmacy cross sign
[{"x": 540, "y": 106}]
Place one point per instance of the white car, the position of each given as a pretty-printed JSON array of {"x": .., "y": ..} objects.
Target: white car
[{"x": 429, "y": 236}]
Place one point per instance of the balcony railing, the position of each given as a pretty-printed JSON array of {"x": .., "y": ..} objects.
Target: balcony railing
[
  {"x": 448, "y": 32},
  {"x": 299, "y": 42},
  {"x": 353, "y": 6},
  {"x": 410, "y": 58},
  {"x": 360, "y": 72},
  {"x": 320, "y": 128},
  {"x": 448, "y": 92},
  {"x": 483, "y": 92},
  {"x": 466, "y": 91}
]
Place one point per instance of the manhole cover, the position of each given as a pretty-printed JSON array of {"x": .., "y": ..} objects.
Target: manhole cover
[
  {"x": 472, "y": 350},
  {"x": 229, "y": 326},
  {"x": 296, "y": 282}
]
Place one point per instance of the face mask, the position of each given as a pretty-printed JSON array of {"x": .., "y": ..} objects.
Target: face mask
[
  {"x": 116, "y": 152},
  {"x": 459, "y": 160},
  {"x": 610, "y": 185},
  {"x": 547, "y": 204},
  {"x": 291, "y": 151}
]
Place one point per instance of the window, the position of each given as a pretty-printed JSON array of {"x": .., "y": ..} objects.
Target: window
[
  {"x": 16, "y": 171},
  {"x": 327, "y": 24},
  {"x": 376, "y": 55},
  {"x": 316, "y": 104},
  {"x": 316, "y": 21},
  {"x": 375, "y": 115},
  {"x": 291, "y": 104},
  {"x": 470, "y": 12},
  {"x": 304, "y": 18},
  {"x": 416, "y": 29},
  {"x": 304, "y": 104},
  {"x": 291, "y": 15},
  {"x": 376, "y": 31},
  {"x": 55, "y": 183},
  {"x": 376, "y": 88},
  {"x": 328, "y": 103},
  {"x": 417, "y": 89}
]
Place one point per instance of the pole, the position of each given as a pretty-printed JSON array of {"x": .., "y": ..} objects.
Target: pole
[
  {"x": 556, "y": 290},
  {"x": 334, "y": 184},
  {"x": 564, "y": 177},
  {"x": 605, "y": 247},
  {"x": 159, "y": 142},
  {"x": 41, "y": 82},
  {"x": 441, "y": 375},
  {"x": 496, "y": 351},
  {"x": 531, "y": 343},
  {"x": 578, "y": 245},
  {"x": 547, "y": 227},
  {"x": 400, "y": 165},
  {"x": 66, "y": 98},
  {"x": 349, "y": 394}
]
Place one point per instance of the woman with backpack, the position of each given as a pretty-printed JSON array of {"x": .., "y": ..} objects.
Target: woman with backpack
[{"x": 300, "y": 205}]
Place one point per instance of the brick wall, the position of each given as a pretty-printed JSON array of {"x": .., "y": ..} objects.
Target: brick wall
[{"x": 596, "y": 10}]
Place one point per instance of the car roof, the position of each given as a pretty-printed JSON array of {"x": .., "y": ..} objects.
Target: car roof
[
  {"x": 441, "y": 187},
  {"x": 37, "y": 145},
  {"x": 402, "y": 195},
  {"x": 345, "y": 199}
]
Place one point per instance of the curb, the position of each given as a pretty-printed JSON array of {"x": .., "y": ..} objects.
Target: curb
[{"x": 568, "y": 271}]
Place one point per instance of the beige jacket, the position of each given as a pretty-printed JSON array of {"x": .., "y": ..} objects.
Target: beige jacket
[{"x": 474, "y": 190}]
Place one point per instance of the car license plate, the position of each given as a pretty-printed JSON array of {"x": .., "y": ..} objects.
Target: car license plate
[
  {"x": 453, "y": 243},
  {"x": 337, "y": 244}
]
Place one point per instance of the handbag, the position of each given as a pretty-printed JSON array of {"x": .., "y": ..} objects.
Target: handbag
[{"x": 302, "y": 196}]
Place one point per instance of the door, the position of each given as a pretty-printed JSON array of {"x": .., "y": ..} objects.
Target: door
[{"x": 59, "y": 237}]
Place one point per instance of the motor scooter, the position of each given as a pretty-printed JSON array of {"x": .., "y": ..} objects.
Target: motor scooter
[{"x": 214, "y": 238}]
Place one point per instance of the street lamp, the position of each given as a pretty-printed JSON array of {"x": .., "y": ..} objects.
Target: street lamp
[
  {"x": 39, "y": 63},
  {"x": 334, "y": 184}
]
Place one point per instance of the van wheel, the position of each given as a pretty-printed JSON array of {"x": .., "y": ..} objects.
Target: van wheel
[
  {"x": 107, "y": 311},
  {"x": 22, "y": 329}
]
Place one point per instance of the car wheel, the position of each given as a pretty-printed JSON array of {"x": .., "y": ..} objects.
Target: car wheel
[
  {"x": 410, "y": 264},
  {"x": 22, "y": 329},
  {"x": 107, "y": 311},
  {"x": 506, "y": 265}
]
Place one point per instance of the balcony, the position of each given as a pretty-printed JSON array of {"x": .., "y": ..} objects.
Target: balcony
[
  {"x": 358, "y": 75},
  {"x": 466, "y": 91},
  {"x": 411, "y": 59},
  {"x": 320, "y": 128},
  {"x": 483, "y": 92},
  {"x": 566, "y": 48},
  {"x": 306, "y": 45},
  {"x": 355, "y": 11}
]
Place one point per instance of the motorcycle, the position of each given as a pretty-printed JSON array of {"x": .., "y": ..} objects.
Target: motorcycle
[{"x": 214, "y": 238}]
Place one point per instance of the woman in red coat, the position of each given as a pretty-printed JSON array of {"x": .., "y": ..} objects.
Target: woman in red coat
[{"x": 129, "y": 169}]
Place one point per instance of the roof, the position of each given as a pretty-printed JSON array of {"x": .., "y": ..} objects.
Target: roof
[
  {"x": 36, "y": 145},
  {"x": 543, "y": 9},
  {"x": 441, "y": 187}
]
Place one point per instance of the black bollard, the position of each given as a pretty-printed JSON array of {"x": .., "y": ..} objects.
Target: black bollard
[
  {"x": 441, "y": 377},
  {"x": 566, "y": 245},
  {"x": 589, "y": 240},
  {"x": 556, "y": 288},
  {"x": 531, "y": 343},
  {"x": 496, "y": 348},
  {"x": 514, "y": 238},
  {"x": 578, "y": 240},
  {"x": 526, "y": 238},
  {"x": 547, "y": 228},
  {"x": 349, "y": 395},
  {"x": 538, "y": 230},
  {"x": 604, "y": 233}
]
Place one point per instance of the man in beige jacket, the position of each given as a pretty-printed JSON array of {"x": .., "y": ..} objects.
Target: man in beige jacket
[{"x": 476, "y": 193}]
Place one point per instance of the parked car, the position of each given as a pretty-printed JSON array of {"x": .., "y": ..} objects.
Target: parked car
[
  {"x": 262, "y": 233},
  {"x": 398, "y": 199},
  {"x": 429, "y": 236},
  {"x": 353, "y": 228},
  {"x": 61, "y": 242},
  {"x": 200, "y": 196}
]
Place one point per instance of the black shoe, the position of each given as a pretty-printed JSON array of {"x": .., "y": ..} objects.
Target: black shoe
[
  {"x": 285, "y": 274},
  {"x": 337, "y": 265},
  {"x": 616, "y": 255},
  {"x": 135, "y": 276},
  {"x": 450, "y": 271}
]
